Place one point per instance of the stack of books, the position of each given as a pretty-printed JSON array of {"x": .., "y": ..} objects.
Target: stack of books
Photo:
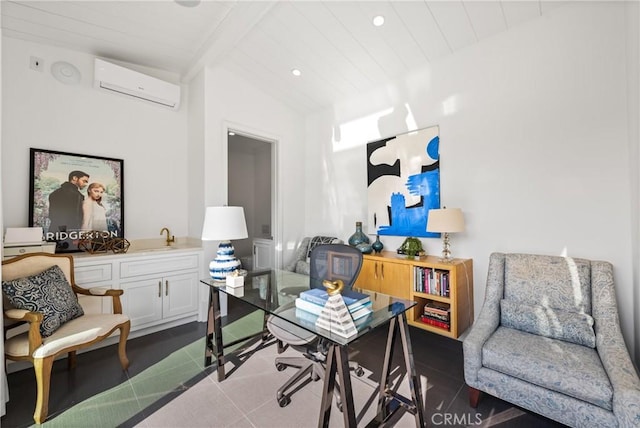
[
  {"x": 437, "y": 314},
  {"x": 431, "y": 281},
  {"x": 340, "y": 314}
]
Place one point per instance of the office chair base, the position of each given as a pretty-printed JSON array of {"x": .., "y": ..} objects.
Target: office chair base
[{"x": 305, "y": 367}]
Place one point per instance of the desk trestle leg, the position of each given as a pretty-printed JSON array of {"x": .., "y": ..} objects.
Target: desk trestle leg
[
  {"x": 337, "y": 364},
  {"x": 389, "y": 401},
  {"x": 214, "y": 347}
]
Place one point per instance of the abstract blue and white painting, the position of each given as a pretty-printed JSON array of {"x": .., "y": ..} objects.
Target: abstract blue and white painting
[{"x": 403, "y": 174}]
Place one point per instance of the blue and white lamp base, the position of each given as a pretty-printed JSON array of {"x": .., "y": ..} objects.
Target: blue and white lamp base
[{"x": 225, "y": 262}]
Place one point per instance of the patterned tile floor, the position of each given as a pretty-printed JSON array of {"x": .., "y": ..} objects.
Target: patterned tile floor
[{"x": 166, "y": 386}]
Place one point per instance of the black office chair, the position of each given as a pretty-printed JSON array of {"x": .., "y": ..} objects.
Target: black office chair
[{"x": 332, "y": 262}]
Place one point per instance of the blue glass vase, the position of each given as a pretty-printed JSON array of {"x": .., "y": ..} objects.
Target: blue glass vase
[
  {"x": 377, "y": 245},
  {"x": 358, "y": 237}
]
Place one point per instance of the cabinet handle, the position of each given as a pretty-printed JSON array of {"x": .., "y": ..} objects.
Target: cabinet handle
[
  {"x": 166, "y": 290},
  {"x": 375, "y": 270},
  {"x": 382, "y": 270},
  {"x": 159, "y": 288}
]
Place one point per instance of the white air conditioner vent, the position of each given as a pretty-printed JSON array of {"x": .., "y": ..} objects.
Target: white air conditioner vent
[{"x": 114, "y": 78}]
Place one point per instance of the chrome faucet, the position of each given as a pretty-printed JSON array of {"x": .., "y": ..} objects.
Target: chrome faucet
[{"x": 170, "y": 238}]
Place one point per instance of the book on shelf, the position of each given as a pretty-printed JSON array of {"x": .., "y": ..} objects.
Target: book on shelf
[
  {"x": 431, "y": 281},
  {"x": 438, "y": 310},
  {"x": 315, "y": 309},
  {"x": 319, "y": 296},
  {"x": 435, "y": 323},
  {"x": 437, "y": 316}
]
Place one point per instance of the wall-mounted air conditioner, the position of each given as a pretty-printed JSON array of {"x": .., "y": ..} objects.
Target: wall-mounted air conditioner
[{"x": 114, "y": 78}]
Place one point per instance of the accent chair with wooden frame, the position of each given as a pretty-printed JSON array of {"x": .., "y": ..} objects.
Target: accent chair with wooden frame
[{"x": 71, "y": 336}]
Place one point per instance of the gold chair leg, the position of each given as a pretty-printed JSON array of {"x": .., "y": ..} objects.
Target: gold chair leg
[
  {"x": 122, "y": 346},
  {"x": 42, "y": 367}
]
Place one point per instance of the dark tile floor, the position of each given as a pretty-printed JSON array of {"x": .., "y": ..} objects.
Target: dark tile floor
[{"x": 83, "y": 395}]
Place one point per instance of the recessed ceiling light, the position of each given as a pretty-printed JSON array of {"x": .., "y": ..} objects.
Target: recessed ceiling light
[
  {"x": 378, "y": 20},
  {"x": 296, "y": 72},
  {"x": 232, "y": 133}
]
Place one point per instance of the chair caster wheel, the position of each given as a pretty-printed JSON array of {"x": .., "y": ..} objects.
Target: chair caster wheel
[
  {"x": 284, "y": 401},
  {"x": 280, "y": 367},
  {"x": 359, "y": 371}
]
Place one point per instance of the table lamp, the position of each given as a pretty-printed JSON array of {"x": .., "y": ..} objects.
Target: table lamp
[
  {"x": 446, "y": 221},
  {"x": 224, "y": 224}
]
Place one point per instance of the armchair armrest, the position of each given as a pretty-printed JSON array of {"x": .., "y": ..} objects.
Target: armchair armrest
[
  {"x": 488, "y": 320},
  {"x": 34, "y": 319},
  {"x": 102, "y": 292},
  {"x": 301, "y": 254},
  {"x": 611, "y": 347}
]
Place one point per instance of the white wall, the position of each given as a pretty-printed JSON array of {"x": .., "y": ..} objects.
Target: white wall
[
  {"x": 41, "y": 112},
  {"x": 633, "y": 103},
  {"x": 533, "y": 141},
  {"x": 231, "y": 102}
]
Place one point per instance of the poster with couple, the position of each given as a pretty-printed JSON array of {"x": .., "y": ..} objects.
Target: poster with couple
[{"x": 74, "y": 197}]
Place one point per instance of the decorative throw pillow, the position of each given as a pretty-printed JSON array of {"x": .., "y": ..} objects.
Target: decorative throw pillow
[
  {"x": 548, "y": 322},
  {"x": 321, "y": 240},
  {"x": 47, "y": 292}
]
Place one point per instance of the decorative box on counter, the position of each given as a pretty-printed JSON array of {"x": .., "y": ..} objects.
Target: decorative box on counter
[{"x": 235, "y": 281}]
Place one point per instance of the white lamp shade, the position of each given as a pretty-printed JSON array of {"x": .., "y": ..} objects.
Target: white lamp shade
[
  {"x": 447, "y": 220},
  {"x": 224, "y": 224}
]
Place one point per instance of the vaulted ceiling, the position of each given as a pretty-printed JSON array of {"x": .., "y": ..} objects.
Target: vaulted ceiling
[{"x": 334, "y": 44}]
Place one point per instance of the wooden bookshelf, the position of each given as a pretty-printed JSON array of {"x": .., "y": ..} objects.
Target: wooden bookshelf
[{"x": 424, "y": 280}]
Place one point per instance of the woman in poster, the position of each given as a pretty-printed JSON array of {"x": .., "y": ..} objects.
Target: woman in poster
[{"x": 94, "y": 213}]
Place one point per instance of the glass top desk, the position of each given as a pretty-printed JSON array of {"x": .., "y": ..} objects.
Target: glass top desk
[{"x": 270, "y": 290}]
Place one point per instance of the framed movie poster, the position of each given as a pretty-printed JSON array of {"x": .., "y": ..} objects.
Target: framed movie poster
[{"x": 72, "y": 195}]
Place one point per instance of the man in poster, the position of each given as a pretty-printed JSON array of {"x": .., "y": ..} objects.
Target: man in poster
[{"x": 65, "y": 207}]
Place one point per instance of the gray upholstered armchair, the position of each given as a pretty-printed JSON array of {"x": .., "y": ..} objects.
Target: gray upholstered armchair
[
  {"x": 300, "y": 261},
  {"x": 548, "y": 339}
]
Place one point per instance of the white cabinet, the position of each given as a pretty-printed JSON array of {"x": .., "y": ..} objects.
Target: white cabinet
[
  {"x": 91, "y": 275},
  {"x": 160, "y": 298},
  {"x": 160, "y": 290},
  {"x": 263, "y": 254}
]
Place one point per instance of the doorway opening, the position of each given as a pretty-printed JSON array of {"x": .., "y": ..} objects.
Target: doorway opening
[{"x": 251, "y": 173}]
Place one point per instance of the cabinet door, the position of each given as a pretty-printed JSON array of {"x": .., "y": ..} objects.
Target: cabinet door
[
  {"x": 263, "y": 254},
  {"x": 369, "y": 275},
  {"x": 395, "y": 279},
  {"x": 94, "y": 275},
  {"x": 180, "y": 294},
  {"x": 142, "y": 301}
]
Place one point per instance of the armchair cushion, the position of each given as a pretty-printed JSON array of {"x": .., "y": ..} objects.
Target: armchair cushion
[
  {"x": 527, "y": 277},
  {"x": 559, "y": 366},
  {"x": 47, "y": 292},
  {"x": 81, "y": 331},
  {"x": 548, "y": 322}
]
